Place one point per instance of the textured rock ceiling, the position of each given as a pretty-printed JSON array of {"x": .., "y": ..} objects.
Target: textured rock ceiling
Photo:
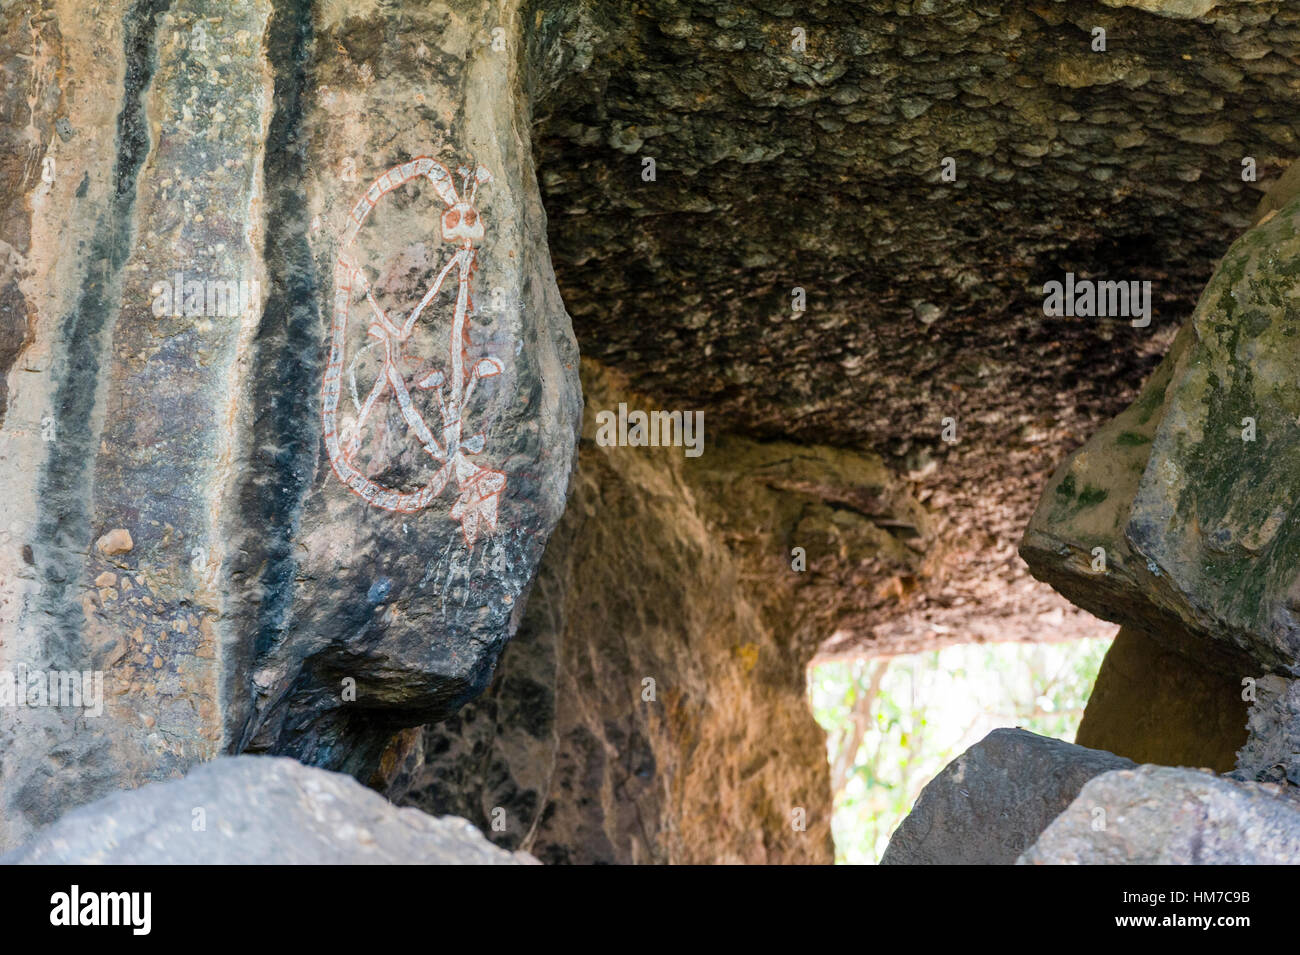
[{"x": 821, "y": 170}]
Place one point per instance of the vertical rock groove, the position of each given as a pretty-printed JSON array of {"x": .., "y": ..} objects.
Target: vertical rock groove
[
  {"x": 285, "y": 433},
  {"x": 63, "y": 525}
]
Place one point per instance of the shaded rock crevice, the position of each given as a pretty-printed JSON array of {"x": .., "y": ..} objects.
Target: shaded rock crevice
[
  {"x": 1158, "y": 701},
  {"x": 702, "y": 608}
]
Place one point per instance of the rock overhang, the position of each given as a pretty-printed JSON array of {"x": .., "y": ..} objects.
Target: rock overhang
[{"x": 803, "y": 150}]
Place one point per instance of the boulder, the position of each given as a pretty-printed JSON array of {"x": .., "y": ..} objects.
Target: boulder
[
  {"x": 1186, "y": 495},
  {"x": 257, "y": 810},
  {"x": 994, "y": 800},
  {"x": 1175, "y": 520},
  {"x": 1158, "y": 815}
]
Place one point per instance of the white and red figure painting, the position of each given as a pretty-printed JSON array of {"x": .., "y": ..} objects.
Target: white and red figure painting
[{"x": 389, "y": 334}]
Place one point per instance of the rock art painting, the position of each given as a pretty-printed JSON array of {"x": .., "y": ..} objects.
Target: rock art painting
[{"x": 402, "y": 377}]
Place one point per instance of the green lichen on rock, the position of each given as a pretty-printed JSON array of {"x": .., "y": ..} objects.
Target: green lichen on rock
[
  {"x": 1203, "y": 471},
  {"x": 1212, "y": 509},
  {"x": 1086, "y": 506}
]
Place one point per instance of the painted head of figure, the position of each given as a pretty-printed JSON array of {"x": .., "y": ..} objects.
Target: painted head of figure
[{"x": 462, "y": 223}]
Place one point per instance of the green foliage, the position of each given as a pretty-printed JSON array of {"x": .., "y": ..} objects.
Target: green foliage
[{"x": 892, "y": 724}]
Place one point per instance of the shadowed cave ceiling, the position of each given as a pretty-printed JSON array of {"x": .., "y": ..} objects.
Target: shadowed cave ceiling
[{"x": 820, "y": 169}]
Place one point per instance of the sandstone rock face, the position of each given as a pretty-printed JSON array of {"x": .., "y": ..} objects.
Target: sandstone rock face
[
  {"x": 421, "y": 602},
  {"x": 256, "y": 810},
  {"x": 1156, "y": 705},
  {"x": 742, "y": 560},
  {"x": 1211, "y": 513},
  {"x": 991, "y": 802},
  {"x": 188, "y": 295},
  {"x": 1156, "y": 815},
  {"x": 1175, "y": 520},
  {"x": 300, "y": 509}
]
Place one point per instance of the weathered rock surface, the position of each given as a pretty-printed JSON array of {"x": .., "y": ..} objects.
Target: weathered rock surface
[
  {"x": 1157, "y": 815},
  {"x": 257, "y": 810},
  {"x": 1175, "y": 520},
  {"x": 564, "y": 757},
  {"x": 990, "y": 803},
  {"x": 175, "y": 515},
  {"x": 1272, "y": 749},
  {"x": 261, "y": 605},
  {"x": 1157, "y": 705}
]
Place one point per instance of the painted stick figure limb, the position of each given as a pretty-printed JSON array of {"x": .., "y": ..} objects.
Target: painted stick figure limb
[
  {"x": 479, "y": 487},
  {"x": 392, "y": 339}
]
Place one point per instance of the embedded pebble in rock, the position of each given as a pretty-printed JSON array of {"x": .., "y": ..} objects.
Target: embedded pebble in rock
[
  {"x": 116, "y": 541},
  {"x": 821, "y": 168}
]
